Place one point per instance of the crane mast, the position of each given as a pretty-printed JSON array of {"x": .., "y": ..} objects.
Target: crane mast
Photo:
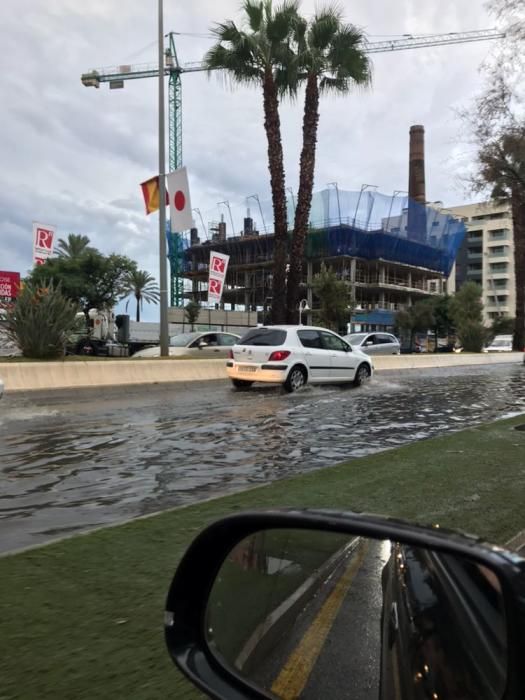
[{"x": 117, "y": 75}]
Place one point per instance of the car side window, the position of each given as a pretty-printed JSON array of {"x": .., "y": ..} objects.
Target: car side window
[
  {"x": 310, "y": 339},
  {"x": 332, "y": 342},
  {"x": 386, "y": 338},
  {"x": 226, "y": 339}
]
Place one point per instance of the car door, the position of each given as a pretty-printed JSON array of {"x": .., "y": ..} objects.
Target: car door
[
  {"x": 226, "y": 342},
  {"x": 343, "y": 362},
  {"x": 205, "y": 346},
  {"x": 389, "y": 344},
  {"x": 316, "y": 355}
]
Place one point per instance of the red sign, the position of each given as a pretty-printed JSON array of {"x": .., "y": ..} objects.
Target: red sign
[
  {"x": 215, "y": 287},
  {"x": 43, "y": 236},
  {"x": 9, "y": 285},
  {"x": 218, "y": 265}
]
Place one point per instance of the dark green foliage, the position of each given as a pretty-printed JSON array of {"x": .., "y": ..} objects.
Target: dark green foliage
[
  {"x": 40, "y": 320},
  {"x": 192, "y": 311},
  {"x": 92, "y": 280},
  {"x": 334, "y": 297},
  {"x": 466, "y": 310},
  {"x": 143, "y": 287}
]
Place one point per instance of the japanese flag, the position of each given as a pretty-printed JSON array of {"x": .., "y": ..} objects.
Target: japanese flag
[{"x": 180, "y": 205}]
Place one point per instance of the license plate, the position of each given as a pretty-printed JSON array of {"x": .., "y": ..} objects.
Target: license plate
[{"x": 246, "y": 368}]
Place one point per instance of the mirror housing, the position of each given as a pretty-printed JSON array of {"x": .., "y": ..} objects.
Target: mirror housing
[{"x": 187, "y": 601}]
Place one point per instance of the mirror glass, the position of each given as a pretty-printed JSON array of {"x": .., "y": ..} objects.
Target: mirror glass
[{"x": 312, "y": 614}]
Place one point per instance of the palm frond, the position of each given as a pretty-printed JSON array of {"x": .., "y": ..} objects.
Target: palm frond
[
  {"x": 255, "y": 13},
  {"x": 324, "y": 27}
]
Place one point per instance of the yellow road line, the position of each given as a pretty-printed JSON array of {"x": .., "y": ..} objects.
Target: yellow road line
[{"x": 293, "y": 676}]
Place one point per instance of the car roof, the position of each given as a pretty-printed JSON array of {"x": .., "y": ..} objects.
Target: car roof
[{"x": 286, "y": 327}]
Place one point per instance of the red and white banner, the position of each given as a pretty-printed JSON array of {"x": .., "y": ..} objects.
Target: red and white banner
[
  {"x": 180, "y": 204},
  {"x": 43, "y": 239},
  {"x": 9, "y": 285},
  {"x": 217, "y": 276}
]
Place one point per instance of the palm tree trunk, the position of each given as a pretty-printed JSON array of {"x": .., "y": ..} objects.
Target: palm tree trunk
[
  {"x": 518, "y": 223},
  {"x": 272, "y": 125},
  {"x": 137, "y": 313},
  {"x": 304, "y": 196}
]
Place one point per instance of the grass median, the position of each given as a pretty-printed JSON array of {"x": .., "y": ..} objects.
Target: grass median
[{"x": 83, "y": 618}]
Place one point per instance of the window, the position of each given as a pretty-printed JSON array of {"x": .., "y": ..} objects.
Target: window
[
  {"x": 227, "y": 339},
  {"x": 264, "y": 337},
  {"x": 385, "y": 338},
  {"x": 498, "y": 233},
  {"x": 500, "y": 284},
  {"x": 208, "y": 339},
  {"x": 498, "y": 250},
  {"x": 499, "y": 267},
  {"x": 310, "y": 339},
  {"x": 332, "y": 342}
]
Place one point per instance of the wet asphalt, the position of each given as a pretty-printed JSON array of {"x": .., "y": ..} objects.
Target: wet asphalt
[{"x": 71, "y": 461}]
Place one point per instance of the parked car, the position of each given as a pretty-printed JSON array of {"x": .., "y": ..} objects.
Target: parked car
[
  {"x": 295, "y": 355},
  {"x": 1, "y": 388},
  {"x": 210, "y": 344},
  {"x": 501, "y": 343},
  {"x": 374, "y": 343}
]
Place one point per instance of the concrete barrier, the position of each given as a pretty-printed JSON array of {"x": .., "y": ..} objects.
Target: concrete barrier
[{"x": 30, "y": 376}]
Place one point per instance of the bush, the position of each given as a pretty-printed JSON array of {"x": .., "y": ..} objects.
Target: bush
[
  {"x": 472, "y": 336},
  {"x": 40, "y": 320}
]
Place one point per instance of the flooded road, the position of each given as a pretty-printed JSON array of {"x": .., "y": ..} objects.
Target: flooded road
[{"x": 75, "y": 461}]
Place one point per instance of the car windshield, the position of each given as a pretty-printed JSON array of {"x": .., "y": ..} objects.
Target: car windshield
[
  {"x": 183, "y": 339},
  {"x": 263, "y": 336},
  {"x": 356, "y": 338}
]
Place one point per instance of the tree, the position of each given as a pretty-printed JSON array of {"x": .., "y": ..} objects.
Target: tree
[
  {"x": 191, "y": 312},
  {"x": 40, "y": 320},
  {"x": 261, "y": 54},
  {"x": 330, "y": 58},
  {"x": 143, "y": 287},
  {"x": 416, "y": 318},
  {"x": 441, "y": 321},
  {"x": 75, "y": 246},
  {"x": 91, "y": 281},
  {"x": 498, "y": 127},
  {"x": 334, "y": 297},
  {"x": 466, "y": 310}
]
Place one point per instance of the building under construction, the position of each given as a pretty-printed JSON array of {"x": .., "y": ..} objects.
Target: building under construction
[{"x": 391, "y": 251}]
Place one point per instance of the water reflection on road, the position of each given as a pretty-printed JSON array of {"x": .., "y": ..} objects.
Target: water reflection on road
[{"x": 70, "y": 464}]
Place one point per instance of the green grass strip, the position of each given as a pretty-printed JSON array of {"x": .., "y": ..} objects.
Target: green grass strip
[{"x": 82, "y": 618}]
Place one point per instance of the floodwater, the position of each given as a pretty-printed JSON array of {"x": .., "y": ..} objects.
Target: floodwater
[{"x": 76, "y": 461}]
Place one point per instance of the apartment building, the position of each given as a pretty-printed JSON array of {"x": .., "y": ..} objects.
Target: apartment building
[{"x": 487, "y": 256}]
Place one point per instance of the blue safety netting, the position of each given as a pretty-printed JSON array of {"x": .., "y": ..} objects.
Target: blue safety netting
[{"x": 375, "y": 226}]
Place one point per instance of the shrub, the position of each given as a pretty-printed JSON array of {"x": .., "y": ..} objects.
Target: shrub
[
  {"x": 40, "y": 320},
  {"x": 472, "y": 335}
]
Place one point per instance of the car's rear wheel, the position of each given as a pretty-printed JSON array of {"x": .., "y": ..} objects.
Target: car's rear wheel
[
  {"x": 362, "y": 375},
  {"x": 296, "y": 379},
  {"x": 241, "y": 383}
]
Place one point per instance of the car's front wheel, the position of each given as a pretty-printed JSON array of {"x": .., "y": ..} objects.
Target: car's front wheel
[
  {"x": 241, "y": 383},
  {"x": 296, "y": 379},
  {"x": 362, "y": 374}
]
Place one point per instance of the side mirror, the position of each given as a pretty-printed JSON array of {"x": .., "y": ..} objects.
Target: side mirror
[{"x": 309, "y": 604}]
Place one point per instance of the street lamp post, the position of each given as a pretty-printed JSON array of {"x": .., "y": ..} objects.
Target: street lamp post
[
  {"x": 303, "y": 306},
  {"x": 163, "y": 272}
]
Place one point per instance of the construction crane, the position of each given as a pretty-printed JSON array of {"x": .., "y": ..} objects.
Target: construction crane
[{"x": 117, "y": 75}]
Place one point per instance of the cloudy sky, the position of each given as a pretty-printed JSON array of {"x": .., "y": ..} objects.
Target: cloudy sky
[{"x": 74, "y": 156}]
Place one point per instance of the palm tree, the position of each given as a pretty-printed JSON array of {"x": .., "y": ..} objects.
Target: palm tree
[
  {"x": 75, "y": 246},
  {"x": 261, "y": 54},
  {"x": 143, "y": 287},
  {"x": 330, "y": 58}
]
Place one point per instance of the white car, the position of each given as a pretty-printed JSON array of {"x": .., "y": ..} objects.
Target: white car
[
  {"x": 212, "y": 345},
  {"x": 501, "y": 343},
  {"x": 295, "y": 355},
  {"x": 374, "y": 343}
]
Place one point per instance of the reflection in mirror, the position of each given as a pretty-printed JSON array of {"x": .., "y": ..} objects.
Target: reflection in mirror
[{"x": 312, "y": 614}]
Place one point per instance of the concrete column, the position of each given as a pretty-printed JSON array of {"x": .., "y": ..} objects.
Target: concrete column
[
  {"x": 382, "y": 275},
  {"x": 246, "y": 291}
]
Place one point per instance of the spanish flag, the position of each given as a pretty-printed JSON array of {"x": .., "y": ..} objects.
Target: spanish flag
[{"x": 150, "y": 191}]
